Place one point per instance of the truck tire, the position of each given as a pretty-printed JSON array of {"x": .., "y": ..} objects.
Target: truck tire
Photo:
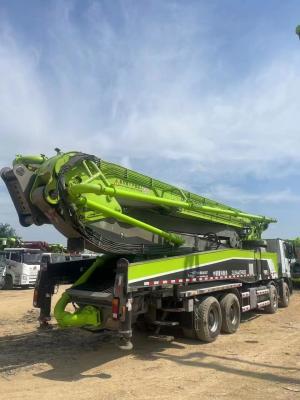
[
  {"x": 231, "y": 313},
  {"x": 8, "y": 283},
  {"x": 273, "y": 307},
  {"x": 2, "y": 283},
  {"x": 207, "y": 319},
  {"x": 285, "y": 298}
]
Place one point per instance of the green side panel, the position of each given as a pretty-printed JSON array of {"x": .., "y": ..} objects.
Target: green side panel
[
  {"x": 273, "y": 257},
  {"x": 144, "y": 270},
  {"x": 161, "y": 266}
]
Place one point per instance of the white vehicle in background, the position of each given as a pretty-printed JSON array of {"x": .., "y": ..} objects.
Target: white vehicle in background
[
  {"x": 20, "y": 267},
  {"x": 52, "y": 258},
  {"x": 2, "y": 269},
  {"x": 82, "y": 256}
]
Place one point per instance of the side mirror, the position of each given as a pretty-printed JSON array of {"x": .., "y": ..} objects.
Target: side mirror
[{"x": 289, "y": 251}]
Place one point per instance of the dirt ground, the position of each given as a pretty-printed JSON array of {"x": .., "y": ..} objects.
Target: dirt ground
[{"x": 260, "y": 361}]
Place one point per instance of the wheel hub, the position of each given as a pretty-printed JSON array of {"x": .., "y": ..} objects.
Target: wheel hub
[{"x": 213, "y": 320}]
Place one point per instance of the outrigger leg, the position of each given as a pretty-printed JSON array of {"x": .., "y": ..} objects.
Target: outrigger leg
[{"x": 125, "y": 331}]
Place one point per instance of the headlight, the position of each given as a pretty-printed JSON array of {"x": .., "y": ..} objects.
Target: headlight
[{"x": 24, "y": 278}]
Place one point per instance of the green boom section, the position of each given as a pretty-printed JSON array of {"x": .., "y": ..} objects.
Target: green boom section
[
  {"x": 81, "y": 189},
  {"x": 84, "y": 196}
]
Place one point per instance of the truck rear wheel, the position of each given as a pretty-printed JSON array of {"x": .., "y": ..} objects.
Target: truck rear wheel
[
  {"x": 285, "y": 298},
  {"x": 2, "y": 282},
  {"x": 207, "y": 319},
  {"x": 273, "y": 307},
  {"x": 8, "y": 283},
  {"x": 231, "y": 313}
]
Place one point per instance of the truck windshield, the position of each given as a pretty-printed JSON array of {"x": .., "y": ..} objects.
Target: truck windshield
[{"x": 31, "y": 258}]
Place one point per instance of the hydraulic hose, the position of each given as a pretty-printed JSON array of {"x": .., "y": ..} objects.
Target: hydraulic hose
[{"x": 87, "y": 315}]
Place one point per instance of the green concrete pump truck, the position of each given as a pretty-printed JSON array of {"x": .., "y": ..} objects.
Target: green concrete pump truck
[{"x": 170, "y": 258}]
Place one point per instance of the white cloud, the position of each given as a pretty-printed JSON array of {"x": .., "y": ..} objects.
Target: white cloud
[
  {"x": 145, "y": 92},
  {"x": 227, "y": 194},
  {"x": 123, "y": 97}
]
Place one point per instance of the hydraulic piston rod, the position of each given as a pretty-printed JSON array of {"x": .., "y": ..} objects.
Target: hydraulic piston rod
[{"x": 114, "y": 192}]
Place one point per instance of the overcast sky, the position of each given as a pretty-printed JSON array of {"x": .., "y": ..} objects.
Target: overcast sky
[{"x": 201, "y": 94}]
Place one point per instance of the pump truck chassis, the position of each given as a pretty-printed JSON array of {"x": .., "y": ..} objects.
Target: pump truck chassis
[{"x": 170, "y": 258}]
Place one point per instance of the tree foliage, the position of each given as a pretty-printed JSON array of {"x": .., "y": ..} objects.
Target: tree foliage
[
  {"x": 7, "y": 230},
  {"x": 296, "y": 241}
]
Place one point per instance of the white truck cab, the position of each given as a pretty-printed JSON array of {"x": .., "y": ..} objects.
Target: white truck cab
[
  {"x": 2, "y": 268},
  {"x": 285, "y": 253},
  {"x": 21, "y": 267}
]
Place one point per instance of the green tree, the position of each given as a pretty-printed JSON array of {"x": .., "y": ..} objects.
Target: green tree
[
  {"x": 296, "y": 241},
  {"x": 7, "y": 231}
]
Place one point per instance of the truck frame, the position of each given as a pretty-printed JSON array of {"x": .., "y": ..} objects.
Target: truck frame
[{"x": 202, "y": 293}]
